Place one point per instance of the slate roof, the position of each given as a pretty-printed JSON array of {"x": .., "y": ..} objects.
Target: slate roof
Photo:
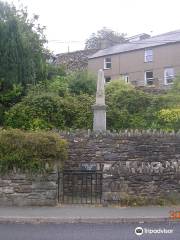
[{"x": 166, "y": 38}]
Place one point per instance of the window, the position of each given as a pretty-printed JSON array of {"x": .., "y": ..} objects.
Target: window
[
  {"x": 107, "y": 79},
  {"x": 168, "y": 75},
  {"x": 149, "y": 80},
  {"x": 148, "y": 55},
  {"x": 107, "y": 63},
  {"x": 125, "y": 77}
]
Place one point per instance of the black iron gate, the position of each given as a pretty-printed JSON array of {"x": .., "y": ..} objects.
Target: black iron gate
[{"x": 82, "y": 187}]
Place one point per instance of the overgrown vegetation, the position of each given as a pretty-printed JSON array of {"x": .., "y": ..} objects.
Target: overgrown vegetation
[
  {"x": 35, "y": 96},
  {"x": 60, "y": 104},
  {"x": 35, "y": 152},
  {"x": 135, "y": 109}
]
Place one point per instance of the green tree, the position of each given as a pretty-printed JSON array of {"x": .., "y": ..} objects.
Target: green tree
[
  {"x": 104, "y": 35},
  {"x": 22, "y": 52}
]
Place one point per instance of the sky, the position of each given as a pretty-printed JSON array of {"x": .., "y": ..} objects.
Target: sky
[{"x": 70, "y": 22}]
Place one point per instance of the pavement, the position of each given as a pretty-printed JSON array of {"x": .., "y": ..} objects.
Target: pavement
[{"x": 86, "y": 214}]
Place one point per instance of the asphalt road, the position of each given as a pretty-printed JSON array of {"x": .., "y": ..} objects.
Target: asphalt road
[{"x": 86, "y": 231}]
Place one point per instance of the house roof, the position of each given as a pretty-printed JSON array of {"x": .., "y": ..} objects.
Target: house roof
[{"x": 166, "y": 38}]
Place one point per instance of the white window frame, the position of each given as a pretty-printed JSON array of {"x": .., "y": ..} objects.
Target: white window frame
[
  {"x": 171, "y": 76},
  {"x": 107, "y": 62},
  {"x": 148, "y": 55},
  {"x": 145, "y": 78}
]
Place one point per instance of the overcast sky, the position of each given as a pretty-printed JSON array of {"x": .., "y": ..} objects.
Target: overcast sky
[{"x": 72, "y": 21}]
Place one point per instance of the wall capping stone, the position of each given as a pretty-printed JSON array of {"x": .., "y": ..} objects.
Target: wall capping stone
[{"x": 121, "y": 133}]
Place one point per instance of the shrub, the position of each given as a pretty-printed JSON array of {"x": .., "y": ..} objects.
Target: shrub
[
  {"x": 127, "y": 106},
  {"x": 82, "y": 82},
  {"x": 36, "y": 112},
  {"x": 169, "y": 119},
  {"x": 57, "y": 86},
  {"x": 47, "y": 111},
  {"x": 54, "y": 71},
  {"x": 30, "y": 151}
]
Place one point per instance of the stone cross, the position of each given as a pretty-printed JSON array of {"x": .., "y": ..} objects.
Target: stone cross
[{"x": 99, "y": 109}]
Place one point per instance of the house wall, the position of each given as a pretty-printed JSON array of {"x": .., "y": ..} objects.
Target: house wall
[{"x": 132, "y": 63}]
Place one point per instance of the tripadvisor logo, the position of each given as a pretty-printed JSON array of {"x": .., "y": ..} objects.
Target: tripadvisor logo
[{"x": 139, "y": 231}]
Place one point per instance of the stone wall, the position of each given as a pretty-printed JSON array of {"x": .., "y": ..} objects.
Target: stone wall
[
  {"x": 133, "y": 163},
  {"x": 74, "y": 61},
  {"x": 25, "y": 190}
]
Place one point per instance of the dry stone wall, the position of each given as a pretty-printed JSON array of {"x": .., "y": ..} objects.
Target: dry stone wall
[
  {"x": 26, "y": 190},
  {"x": 133, "y": 163},
  {"x": 74, "y": 61}
]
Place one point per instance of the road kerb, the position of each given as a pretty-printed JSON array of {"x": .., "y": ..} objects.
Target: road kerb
[{"x": 36, "y": 220}]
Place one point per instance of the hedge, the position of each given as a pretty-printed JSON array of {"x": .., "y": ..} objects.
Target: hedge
[{"x": 26, "y": 151}]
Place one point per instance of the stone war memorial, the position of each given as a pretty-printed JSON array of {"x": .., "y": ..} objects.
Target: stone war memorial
[
  {"x": 99, "y": 109},
  {"x": 130, "y": 167}
]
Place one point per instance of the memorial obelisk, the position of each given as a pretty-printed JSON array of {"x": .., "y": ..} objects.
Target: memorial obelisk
[{"x": 99, "y": 109}]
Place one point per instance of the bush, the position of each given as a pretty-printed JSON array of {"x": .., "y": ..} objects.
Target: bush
[
  {"x": 37, "y": 112},
  {"x": 30, "y": 151},
  {"x": 47, "y": 111},
  {"x": 54, "y": 71},
  {"x": 58, "y": 86},
  {"x": 127, "y": 107},
  {"x": 82, "y": 82},
  {"x": 169, "y": 119}
]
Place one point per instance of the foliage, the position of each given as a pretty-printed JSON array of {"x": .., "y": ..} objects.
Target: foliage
[
  {"x": 58, "y": 86},
  {"x": 2, "y": 110},
  {"x": 65, "y": 102},
  {"x": 77, "y": 83},
  {"x": 95, "y": 40},
  {"x": 30, "y": 151},
  {"x": 11, "y": 95},
  {"x": 132, "y": 108},
  {"x": 126, "y": 106},
  {"x": 116, "y": 86},
  {"x": 169, "y": 119},
  {"x": 47, "y": 111},
  {"x": 54, "y": 71},
  {"x": 22, "y": 55},
  {"x": 176, "y": 85},
  {"x": 54, "y": 104},
  {"x": 82, "y": 82},
  {"x": 37, "y": 112},
  {"x": 21, "y": 46}
]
